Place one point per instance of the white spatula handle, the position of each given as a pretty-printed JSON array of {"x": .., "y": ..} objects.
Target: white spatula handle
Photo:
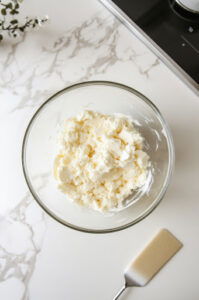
[{"x": 120, "y": 292}]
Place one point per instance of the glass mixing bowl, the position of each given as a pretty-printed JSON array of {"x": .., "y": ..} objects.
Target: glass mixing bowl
[{"x": 40, "y": 147}]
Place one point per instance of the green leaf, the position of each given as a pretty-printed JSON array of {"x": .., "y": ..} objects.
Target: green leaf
[
  {"x": 1, "y": 37},
  {"x": 14, "y": 21},
  {"x": 12, "y": 12},
  {"x": 16, "y": 5},
  {"x": 9, "y": 5},
  {"x": 3, "y": 11}
]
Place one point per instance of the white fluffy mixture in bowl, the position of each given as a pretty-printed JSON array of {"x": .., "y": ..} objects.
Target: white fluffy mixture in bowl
[{"x": 100, "y": 160}]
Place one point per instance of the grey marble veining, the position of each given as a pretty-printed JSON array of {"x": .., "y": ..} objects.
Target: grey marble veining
[
  {"x": 29, "y": 73},
  {"x": 18, "y": 259},
  {"x": 94, "y": 42}
]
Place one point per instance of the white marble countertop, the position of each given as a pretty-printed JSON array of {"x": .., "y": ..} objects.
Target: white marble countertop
[{"x": 40, "y": 258}]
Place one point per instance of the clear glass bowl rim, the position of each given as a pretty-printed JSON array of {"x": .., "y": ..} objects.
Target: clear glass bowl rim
[{"x": 170, "y": 150}]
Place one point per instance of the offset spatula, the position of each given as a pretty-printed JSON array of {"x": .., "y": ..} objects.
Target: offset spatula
[{"x": 151, "y": 259}]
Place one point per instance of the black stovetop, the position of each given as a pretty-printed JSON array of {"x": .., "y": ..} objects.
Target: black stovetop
[{"x": 172, "y": 28}]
